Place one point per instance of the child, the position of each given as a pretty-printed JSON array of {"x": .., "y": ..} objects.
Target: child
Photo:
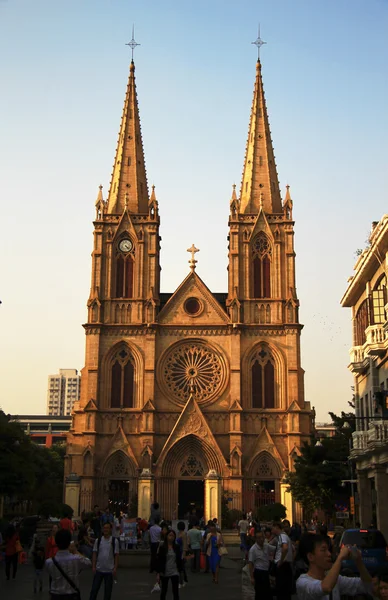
[{"x": 38, "y": 558}]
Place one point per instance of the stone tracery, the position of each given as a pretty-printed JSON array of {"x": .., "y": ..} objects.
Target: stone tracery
[{"x": 193, "y": 368}]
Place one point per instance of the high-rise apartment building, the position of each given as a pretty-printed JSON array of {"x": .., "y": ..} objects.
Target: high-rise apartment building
[{"x": 62, "y": 391}]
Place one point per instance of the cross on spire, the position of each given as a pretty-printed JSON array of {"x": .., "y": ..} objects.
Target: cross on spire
[
  {"x": 132, "y": 44},
  {"x": 192, "y": 261},
  {"x": 258, "y": 43}
]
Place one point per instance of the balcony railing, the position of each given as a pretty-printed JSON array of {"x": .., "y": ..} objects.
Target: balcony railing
[{"x": 375, "y": 436}]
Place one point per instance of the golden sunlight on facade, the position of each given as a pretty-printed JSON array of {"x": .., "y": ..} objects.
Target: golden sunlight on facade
[{"x": 189, "y": 396}]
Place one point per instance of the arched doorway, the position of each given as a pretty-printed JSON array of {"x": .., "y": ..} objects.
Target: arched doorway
[
  {"x": 183, "y": 478},
  {"x": 262, "y": 486},
  {"x": 120, "y": 482}
]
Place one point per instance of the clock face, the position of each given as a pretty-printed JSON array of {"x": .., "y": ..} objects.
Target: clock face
[{"x": 125, "y": 245}]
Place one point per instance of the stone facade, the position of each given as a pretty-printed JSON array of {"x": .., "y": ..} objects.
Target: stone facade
[
  {"x": 366, "y": 295},
  {"x": 191, "y": 395}
]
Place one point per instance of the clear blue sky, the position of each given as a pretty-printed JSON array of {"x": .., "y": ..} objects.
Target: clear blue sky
[{"x": 63, "y": 73}]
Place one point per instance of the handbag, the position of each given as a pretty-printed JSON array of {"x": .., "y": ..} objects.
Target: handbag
[
  {"x": 65, "y": 576},
  {"x": 18, "y": 546},
  {"x": 222, "y": 550}
]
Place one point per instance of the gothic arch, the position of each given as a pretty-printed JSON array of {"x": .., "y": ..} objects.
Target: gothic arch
[
  {"x": 118, "y": 465},
  {"x": 137, "y": 361},
  {"x": 264, "y": 466},
  {"x": 191, "y": 445},
  {"x": 279, "y": 374}
]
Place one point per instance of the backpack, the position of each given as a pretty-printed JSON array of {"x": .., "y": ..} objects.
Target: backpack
[{"x": 113, "y": 544}]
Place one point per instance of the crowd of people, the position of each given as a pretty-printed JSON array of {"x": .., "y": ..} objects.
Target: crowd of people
[{"x": 279, "y": 559}]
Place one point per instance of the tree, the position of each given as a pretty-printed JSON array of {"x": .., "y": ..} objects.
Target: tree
[
  {"x": 29, "y": 474},
  {"x": 316, "y": 481},
  {"x": 272, "y": 512}
]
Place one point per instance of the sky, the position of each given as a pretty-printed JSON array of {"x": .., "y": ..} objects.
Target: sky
[{"x": 64, "y": 72}]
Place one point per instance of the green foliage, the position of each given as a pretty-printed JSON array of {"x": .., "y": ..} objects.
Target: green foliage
[
  {"x": 272, "y": 512},
  {"x": 29, "y": 472},
  {"x": 316, "y": 481}
]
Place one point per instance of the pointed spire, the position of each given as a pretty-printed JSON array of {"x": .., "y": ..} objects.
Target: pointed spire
[
  {"x": 99, "y": 196},
  {"x": 259, "y": 174},
  {"x": 288, "y": 195},
  {"x": 153, "y": 195},
  {"x": 129, "y": 178},
  {"x": 234, "y": 195}
]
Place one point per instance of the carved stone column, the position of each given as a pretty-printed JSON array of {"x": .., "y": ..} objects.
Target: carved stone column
[
  {"x": 212, "y": 496},
  {"x": 145, "y": 493}
]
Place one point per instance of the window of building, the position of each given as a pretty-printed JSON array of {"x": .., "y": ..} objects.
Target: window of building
[
  {"x": 361, "y": 323},
  {"x": 261, "y": 266},
  {"x": 379, "y": 300},
  {"x": 122, "y": 384},
  {"x": 263, "y": 379},
  {"x": 124, "y": 276}
]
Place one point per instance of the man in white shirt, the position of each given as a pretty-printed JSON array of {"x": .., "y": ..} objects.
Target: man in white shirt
[
  {"x": 323, "y": 579},
  {"x": 70, "y": 562},
  {"x": 155, "y": 535},
  {"x": 283, "y": 562},
  {"x": 259, "y": 560},
  {"x": 105, "y": 562}
]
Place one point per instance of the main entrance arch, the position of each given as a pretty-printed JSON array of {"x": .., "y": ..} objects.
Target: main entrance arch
[
  {"x": 262, "y": 486},
  {"x": 120, "y": 481},
  {"x": 189, "y": 479}
]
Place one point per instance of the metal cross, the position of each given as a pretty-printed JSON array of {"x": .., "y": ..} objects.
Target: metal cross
[
  {"x": 132, "y": 44},
  {"x": 259, "y": 43},
  {"x": 192, "y": 261}
]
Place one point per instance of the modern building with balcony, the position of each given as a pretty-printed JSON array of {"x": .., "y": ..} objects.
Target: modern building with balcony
[{"x": 366, "y": 295}]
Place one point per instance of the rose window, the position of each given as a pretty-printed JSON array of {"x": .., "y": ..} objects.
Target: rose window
[{"x": 193, "y": 368}]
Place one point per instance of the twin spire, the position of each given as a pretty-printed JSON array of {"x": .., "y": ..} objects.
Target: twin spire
[
  {"x": 128, "y": 187},
  {"x": 259, "y": 186}
]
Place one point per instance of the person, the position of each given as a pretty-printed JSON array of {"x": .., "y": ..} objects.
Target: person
[
  {"x": 213, "y": 544},
  {"x": 323, "y": 578},
  {"x": 107, "y": 517},
  {"x": 105, "y": 562},
  {"x": 383, "y": 586},
  {"x": 169, "y": 565},
  {"x": 218, "y": 528},
  {"x": 51, "y": 545},
  {"x": 96, "y": 521},
  {"x": 39, "y": 562},
  {"x": 283, "y": 563},
  {"x": 242, "y": 527},
  {"x": 12, "y": 542},
  {"x": 182, "y": 541},
  {"x": 67, "y": 561},
  {"x": 155, "y": 535},
  {"x": 155, "y": 513},
  {"x": 85, "y": 544},
  {"x": 259, "y": 562},
  {"x": 195, "y": 543},
  {"x": 66, "y": 523},
  {"x": 250, "y": 516},
  {"x": 193, "y": 519}
]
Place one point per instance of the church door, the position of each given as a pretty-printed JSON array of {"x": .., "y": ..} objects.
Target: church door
[{"x": 191, "y": 488}]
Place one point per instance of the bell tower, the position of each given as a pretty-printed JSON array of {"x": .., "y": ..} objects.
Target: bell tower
[
  {"x": 125, "y": 270},
  {"x": 261, "y": 271}
]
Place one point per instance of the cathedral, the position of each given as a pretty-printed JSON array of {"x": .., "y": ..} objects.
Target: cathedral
[{"x": 191, "y": 398}]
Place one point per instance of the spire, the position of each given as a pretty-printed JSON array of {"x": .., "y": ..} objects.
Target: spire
[
  {"x": 288, "y": 195},
  {"x": 99, "y": 196},
  {"x": 260, "y": 179},
  {"x": 129, "y": 179}
]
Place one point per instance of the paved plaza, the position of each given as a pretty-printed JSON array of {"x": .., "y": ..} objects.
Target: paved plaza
[{"x": 133, "y": 584}]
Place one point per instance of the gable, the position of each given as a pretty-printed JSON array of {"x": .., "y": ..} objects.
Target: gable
[
  {"x": 261, "y": 225},
  {"x": 265, "y": 443},
  {"x": 193, "y": 294},
  {"x": 125, "y": 226}
]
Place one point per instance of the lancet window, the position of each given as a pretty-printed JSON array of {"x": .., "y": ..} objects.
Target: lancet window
[
  {"x": 261, "y": 266},
  {"x": 263, "y": 379},
  {"x": 122, "y": 380}
]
